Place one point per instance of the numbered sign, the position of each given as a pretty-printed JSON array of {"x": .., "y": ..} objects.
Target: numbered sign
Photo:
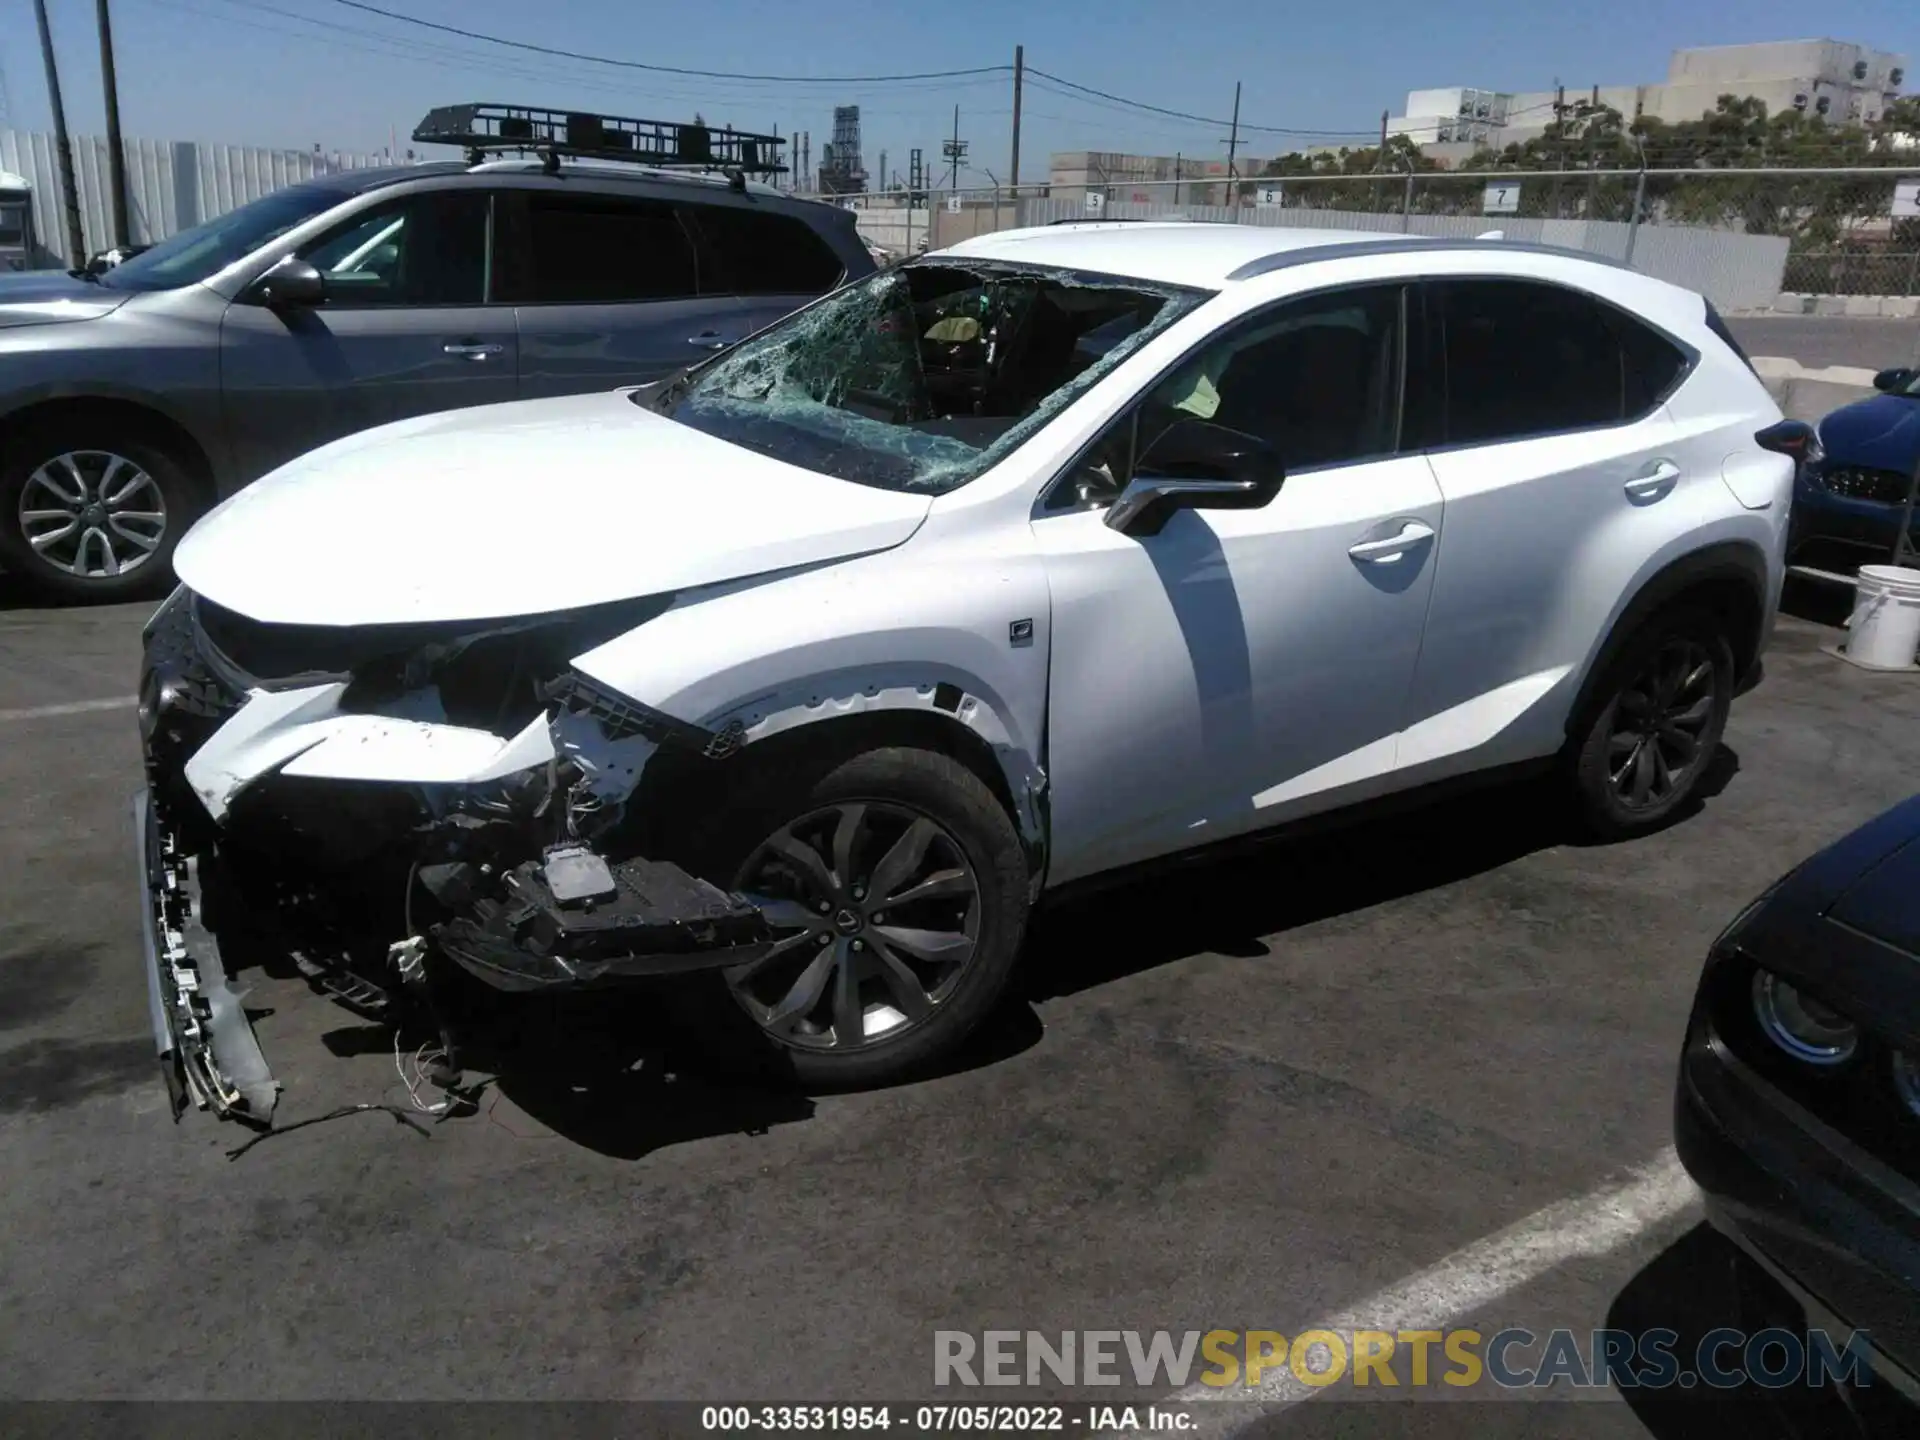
[
  {"x": 1096, "y": 202},
  {"x": 1502, "y": 197}
]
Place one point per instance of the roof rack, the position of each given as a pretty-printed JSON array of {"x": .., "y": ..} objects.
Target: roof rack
[{"x": 484, "y": 129}]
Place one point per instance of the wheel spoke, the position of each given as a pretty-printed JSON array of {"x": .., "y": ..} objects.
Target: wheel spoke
[
  {"x": 34, "y": 517},
  {"x": 1641, "y": 781},
  {"x": 106, "y": 549},
  {"x": 849, "y": 1016},
  {"x": 852, "y": 817},
  {"x": 941, "y": 885},
  {"x": 1687, "y": 745},
  {"x": 1662, "y": 772},
  {"x": 806, "y": 991},
  {"x": 900, "y": 862},
  {"x": 939, "y": 947},
  {"x": 1696, "y": 677},
  {"x": 105, "y": 490},
  {"x": 47, "y": 537},
  {"x": 1694, "y": 714},
  {"x": 1623, "y": 742},
  {"x": 783, "y": 914},
  {"x": 903, "y": 986},
  {"x": 786, "y": 945},
  {"x": 116, "y": 523},
  {"x": 807, "y": 859}
]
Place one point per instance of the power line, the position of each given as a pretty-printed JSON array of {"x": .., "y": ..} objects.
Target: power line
[{"x": 670, "y": 69}]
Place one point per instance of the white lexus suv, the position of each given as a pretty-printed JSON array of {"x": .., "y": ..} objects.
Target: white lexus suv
[{"x": 804, "y": 675}]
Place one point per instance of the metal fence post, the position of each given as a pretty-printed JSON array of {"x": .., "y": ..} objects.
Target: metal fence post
[
  {"x": 1913, "y": 272},
  {"x": 1406, "y": 203},
  {"x": 1639, "y": 199}
]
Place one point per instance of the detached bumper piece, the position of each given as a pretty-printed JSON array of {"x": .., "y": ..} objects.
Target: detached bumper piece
[
  {"x": 572, "y": 920},
  {"x": 201, "y": 1032}
]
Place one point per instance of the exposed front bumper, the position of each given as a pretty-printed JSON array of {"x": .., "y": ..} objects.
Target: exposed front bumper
[
  {"x": 201, "y": 1032},
  {"x": 1833, "y": 1223}
]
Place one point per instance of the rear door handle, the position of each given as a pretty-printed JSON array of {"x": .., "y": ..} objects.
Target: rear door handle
[
  {"x": 472, "y": 349},
  {"x": 1654, "y": 480},
  {"x": 1412, "y": 533},
  {"x": 710, "y": 340}
]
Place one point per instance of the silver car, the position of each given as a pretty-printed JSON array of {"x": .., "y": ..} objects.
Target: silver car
[{"x": 133, "y": 399}]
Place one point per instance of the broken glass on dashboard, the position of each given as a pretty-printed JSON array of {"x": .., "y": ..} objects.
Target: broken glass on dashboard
[{"x": 922, "y": 376}]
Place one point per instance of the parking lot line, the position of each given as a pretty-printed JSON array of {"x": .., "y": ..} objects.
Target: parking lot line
[
  {"x": 76, "y": 707},
  {"x": 1476, "y": 1276}
]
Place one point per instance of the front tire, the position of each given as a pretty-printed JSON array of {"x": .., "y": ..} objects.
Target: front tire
[
  {"x": 92, "y": 511},
  {"x": 897, "y": 889},
  {"x": 1654, "y": 725}
]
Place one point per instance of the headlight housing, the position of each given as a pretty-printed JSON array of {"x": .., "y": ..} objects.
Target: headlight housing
[{"x": 1808, "y": 1029}]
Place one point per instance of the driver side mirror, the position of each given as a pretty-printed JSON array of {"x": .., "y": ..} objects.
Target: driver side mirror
[
  {"x": 1196, "y": 465},
  {"x": 291, "y": 284},
  {"x": 1793, "y": 438},
  {"x": 1893, "y": 381}
]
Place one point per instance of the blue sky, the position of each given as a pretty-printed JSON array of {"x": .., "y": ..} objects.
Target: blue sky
[{"x": 292, "y": 72}]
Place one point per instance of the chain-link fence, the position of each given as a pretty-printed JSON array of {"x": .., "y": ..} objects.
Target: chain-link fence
[{"x": 1741, "y": 236}]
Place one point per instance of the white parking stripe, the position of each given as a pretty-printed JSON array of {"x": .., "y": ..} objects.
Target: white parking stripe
[
  {"x": 77, "y": 707},
  {"x": 1472, "y": 1278}
]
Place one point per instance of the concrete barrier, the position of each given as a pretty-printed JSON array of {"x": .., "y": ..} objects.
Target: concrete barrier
[{"x": 1858, "y": 307}]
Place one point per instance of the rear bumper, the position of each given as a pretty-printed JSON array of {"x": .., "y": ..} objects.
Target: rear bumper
[{"x": 201, "y": 1033}]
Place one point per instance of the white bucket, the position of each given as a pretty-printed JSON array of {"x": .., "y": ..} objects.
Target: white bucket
[{"x": 1885, "y": 624}]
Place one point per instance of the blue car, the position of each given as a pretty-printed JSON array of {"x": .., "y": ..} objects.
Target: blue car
[{"x": 1847, "y": 504}]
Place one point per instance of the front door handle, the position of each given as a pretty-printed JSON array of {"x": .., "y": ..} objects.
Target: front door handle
[
  {"x": 472, "y": 349},
  {"x": 710, "y": 340},
  {"x": 1652, "y": 481},
  {"x": 1412, "y": 533}
]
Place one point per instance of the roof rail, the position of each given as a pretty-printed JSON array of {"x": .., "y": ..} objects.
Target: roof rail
[
  {"x": 1310, "y": 254},
  {"x": 488, "y": 129}
]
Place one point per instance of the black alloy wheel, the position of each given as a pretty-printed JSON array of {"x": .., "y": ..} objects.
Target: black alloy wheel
[
  {"x": 1660, "y": 723},
  {"x": 876, "y": 913}
]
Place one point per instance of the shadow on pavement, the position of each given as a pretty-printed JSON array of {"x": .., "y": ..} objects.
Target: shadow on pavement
[{"x": 1234, "y": 903}]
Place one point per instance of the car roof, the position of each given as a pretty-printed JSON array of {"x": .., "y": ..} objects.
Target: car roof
[{"x": 1172, "y": 252}]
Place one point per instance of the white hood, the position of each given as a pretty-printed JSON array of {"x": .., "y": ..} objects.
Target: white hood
[{"x": 522, "y": 509}]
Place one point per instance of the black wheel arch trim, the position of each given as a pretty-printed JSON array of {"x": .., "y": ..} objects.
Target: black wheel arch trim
[
  {"x": 22, "y": 408},
  {"x": 1728, "y": 561}
]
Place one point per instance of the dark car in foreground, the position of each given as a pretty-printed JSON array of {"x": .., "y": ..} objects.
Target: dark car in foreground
[
  {"x": 1798, "y": 1110},
  {"x": 135, "y": 396},
  {"x": 1847, "y": 505}
]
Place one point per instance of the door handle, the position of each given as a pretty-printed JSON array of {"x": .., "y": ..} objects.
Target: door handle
[
  {"x": 710, "y": 340},
  {"x": 1653, "y": 480},
  {"x": 1412, "y": 533},
  {"x": 471, "y": 349}
]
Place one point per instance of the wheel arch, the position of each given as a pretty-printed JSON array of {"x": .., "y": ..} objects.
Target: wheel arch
[
  {"x": 139, "y": 414},
  {"x": 678, "y": 783},
  {"x": 1728, "y": 579}
]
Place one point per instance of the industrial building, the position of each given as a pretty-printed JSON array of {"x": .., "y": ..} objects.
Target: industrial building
[
  {"x": 1845, "y": 83},
  {"x": 1125, "y": 179}
]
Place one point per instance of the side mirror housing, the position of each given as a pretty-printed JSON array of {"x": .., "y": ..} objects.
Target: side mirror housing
[
  {"x": 1795, "y": 439},
  {"x": 1894, "y": 381},
  {"x": 291, "y": 284},
  {"x": 1196, "y": 465}
]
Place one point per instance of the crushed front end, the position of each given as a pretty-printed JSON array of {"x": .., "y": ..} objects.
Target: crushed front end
[{"x": 385, "y": 806}]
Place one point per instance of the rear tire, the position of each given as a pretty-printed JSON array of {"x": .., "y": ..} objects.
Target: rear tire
[
  {"x": 898, "y": 888},
  {"x": 92, "y": 511},
  {"x": 1654, "y": 725}
]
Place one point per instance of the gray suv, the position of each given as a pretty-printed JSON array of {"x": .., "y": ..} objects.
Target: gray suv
[{"x": 133, "y": 400}]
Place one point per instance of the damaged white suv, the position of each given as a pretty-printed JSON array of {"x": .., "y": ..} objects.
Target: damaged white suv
[{"x": 816, "y": 666}]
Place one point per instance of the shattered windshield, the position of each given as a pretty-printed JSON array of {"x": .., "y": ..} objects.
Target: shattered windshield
[{"x": 921, "y": 377}]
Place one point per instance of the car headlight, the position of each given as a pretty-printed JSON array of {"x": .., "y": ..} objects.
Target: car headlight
[{"x": 1809, "y": 1030}]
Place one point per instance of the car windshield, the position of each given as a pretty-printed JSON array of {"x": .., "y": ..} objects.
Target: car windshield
[
  {"x": 921, "y": 377},
  {"x": 193, "y": 255}
]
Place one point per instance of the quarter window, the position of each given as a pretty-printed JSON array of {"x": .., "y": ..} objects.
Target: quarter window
[
  {"x": 427, "y": 249},
  {"x": 1527, "y": 359}
]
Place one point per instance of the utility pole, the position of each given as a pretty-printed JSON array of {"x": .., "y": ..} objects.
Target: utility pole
[
  {"x": 116, "y": 151},
  {"x": 1233, "y": 148},
  {"x": 955, "y": 151},
  {"x": 62, "y": 142},
  {"x": 1019, "y": 79}
]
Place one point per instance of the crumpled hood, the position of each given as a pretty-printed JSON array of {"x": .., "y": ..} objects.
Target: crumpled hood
[
  {"x": 521, "y": 509},
  {"x": 1882, "y": 433},
  {"x": 44, "y": 297}
]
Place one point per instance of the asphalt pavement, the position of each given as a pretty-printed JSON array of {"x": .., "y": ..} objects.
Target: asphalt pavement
[{"x": 1243, "y": 1098}]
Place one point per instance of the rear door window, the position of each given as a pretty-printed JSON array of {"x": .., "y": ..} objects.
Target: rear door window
[
  {"x": 761, "y": 252},
  {"x": 585, "y": 249}
]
